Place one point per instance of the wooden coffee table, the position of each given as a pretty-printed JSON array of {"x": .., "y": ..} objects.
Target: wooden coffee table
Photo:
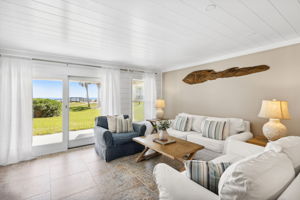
[{"x": 180, "y": 150}]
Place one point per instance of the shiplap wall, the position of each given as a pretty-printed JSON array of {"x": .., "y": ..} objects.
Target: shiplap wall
[{"x": 126, "y": 89}]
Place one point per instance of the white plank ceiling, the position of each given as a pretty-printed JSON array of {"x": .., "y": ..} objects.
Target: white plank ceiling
[{"x": 153, "y": 34}]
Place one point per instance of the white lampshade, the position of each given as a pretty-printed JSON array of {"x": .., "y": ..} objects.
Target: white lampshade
[
  {"x": 160, "y": 103},
  {"x": 274, "y": 110}
]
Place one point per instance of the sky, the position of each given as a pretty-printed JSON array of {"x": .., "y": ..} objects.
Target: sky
[{"x": 53, "y": 89}]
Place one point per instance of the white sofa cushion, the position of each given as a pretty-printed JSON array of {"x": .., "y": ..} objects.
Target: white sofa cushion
[
  {"x": 231, "y": 158},
  {"x": 211, "y": 144},
  {"x": 179, "y": 134},
  {"x": 262, "y": 176},
  {"x": 292, "y": 192},
  {"x": 290, "y": 146}
]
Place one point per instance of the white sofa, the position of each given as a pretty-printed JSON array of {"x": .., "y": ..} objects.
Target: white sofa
[
  {"x": 239, "y": 129},
  {"x": 174, "y": 185}
]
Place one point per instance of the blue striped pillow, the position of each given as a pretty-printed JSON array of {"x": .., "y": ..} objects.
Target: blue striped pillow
[
  {"x": 214, "y": 129},
  {"x": 207, "y": 174},
  {"x": 180, "y": 123}
]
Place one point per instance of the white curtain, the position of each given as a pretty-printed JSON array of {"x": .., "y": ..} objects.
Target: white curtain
[
  {"x": 110, "y": 92},
  {"x": 15, "y": 110},
  {"x": 150, "y": 94}
]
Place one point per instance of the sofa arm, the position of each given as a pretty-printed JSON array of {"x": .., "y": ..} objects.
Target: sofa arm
[
  {"x": 244, "y": 136},
  {"x": 139, "y": 128},
  {"x": 173, "y": 185},
  {"x": 103, "y": 137}
]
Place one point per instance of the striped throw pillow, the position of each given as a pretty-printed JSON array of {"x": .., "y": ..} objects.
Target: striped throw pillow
[
  {"x": 207, "y": 174},
  {"x": 124, "y": 125},
  {"x": 180, "y": 123},
  {"x": 214, "y": 129}
]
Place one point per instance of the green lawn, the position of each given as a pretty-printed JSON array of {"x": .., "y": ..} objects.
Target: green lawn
[
  {"x": 138, "y": 111},
  {"x": 81, "y": 117}
]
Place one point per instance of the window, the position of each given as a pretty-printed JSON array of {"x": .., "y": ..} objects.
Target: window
[{"x": 137, "y": 100}]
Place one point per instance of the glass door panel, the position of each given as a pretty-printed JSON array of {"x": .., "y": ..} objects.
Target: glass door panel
[
  {"x": 137, "y": 100},
  {"x": 47, "y": 112},
  {"x": 84, "y": 107}
]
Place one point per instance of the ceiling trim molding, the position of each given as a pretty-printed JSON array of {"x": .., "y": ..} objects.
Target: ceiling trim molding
[
  {"x": 72, "y": 59},
  {"x": 233, "y": 55}
]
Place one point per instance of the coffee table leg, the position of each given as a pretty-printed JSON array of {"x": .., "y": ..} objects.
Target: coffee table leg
[
  {"x": 142, "y": 156},
  {"x": 190, "y": 157}
]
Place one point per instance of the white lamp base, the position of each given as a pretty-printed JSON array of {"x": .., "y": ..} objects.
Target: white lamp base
[
  {"x": 274, "y": 129},
  {"x": 159, "y": 113}
]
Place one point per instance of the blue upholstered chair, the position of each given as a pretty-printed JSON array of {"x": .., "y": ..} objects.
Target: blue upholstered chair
[{"x": 110, "y": 146}]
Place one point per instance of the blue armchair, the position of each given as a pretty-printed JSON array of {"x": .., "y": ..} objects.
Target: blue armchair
[{"x": 110, "y": 146}]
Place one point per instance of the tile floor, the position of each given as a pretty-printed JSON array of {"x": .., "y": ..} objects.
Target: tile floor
[{"x": 79, "y": 174}]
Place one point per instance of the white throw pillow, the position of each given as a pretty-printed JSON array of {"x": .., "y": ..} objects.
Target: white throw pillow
[
  {"x": 112, "y": 123},
  {"x": 197, "y": 121},
  {"x": 262, "y": 176},
  {"x": 236, "y": 126},
  {"x": 290, "y": 146}
]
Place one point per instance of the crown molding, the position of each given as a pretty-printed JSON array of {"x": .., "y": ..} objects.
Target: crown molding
[{"x": 233, "y": 55}]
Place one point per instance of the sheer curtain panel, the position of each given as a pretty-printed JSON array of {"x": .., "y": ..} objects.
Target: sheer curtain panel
[
  {"x": 150, "y": 94},
  {"x": 110, "y": 92},
  {"x": 15, "y": 110}
]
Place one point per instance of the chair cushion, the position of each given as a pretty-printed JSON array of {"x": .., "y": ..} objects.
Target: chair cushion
[
  {"x": 179, "y": 134},
  {"x": 211, "y": 144},
  {"x": 122, "y": 138},
  {"x": 261, "y": 176}
]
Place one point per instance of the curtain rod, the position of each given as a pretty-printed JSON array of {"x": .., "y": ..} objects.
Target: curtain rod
[{"x": 70, "y": 63}]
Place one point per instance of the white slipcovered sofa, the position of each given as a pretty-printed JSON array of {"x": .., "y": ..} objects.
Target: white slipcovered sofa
[
  {"x": 174, "y": 185},
  {"x": 239, "y": 129}
]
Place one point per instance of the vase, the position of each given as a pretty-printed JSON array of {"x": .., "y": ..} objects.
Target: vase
[{"x": 163, "y": 135}]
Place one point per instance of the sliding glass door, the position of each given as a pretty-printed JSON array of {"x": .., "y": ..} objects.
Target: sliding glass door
[
  {"x": 84, "y": 107},
  {"x": 49, "y": 115},
  {"x": 64, "y": 112}
]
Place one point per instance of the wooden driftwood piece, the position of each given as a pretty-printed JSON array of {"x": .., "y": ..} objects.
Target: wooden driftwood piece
[{"x": 205, "y": 75}]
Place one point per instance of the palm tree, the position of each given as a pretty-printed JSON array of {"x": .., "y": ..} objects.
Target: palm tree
[{"x": 86, "y": 86}]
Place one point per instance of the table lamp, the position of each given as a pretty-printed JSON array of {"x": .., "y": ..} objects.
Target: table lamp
[
  {"x": 160, "y": 104},
  {"x": 274, "y": 110}
]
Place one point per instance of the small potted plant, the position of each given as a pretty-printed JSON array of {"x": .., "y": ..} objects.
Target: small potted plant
[{"x": 162, "y": 127}]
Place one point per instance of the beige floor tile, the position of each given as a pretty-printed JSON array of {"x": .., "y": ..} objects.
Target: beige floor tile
[
  {"x": 26, "y": 188},
  {"x": 68, "y": 185},
  {"x": 80, "y": 174},
  {"x": 44, "y": 196},
  {"x": 90, "y": 194},
  {"x": 62, "y": 170}
]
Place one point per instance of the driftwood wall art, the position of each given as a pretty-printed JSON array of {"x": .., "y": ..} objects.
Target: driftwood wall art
[{"x": 205, "y": 75}]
